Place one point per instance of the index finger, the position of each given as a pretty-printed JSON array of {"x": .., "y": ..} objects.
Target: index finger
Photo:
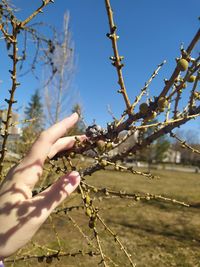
[{"x": 47, "y": 138}]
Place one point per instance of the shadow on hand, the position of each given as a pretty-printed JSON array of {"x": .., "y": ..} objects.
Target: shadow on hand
[{"x": 30, "y": 208}]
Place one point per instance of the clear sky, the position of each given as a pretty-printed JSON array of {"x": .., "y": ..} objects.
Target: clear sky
[{"x": 150, "y": 31}]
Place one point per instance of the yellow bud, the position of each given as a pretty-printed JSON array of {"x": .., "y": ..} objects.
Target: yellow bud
[
  {"x": 162, "y": 102},
  {"x": 95, "y": 190},
  {"x": 196, "y": 94},
  {"x": 137, "y": 198},
  {"x": 103, "y": 163},
  {"x": 87, "y": 199},
  {"x": 88, "y": 212},
  {"x": 182, "y": 64},
  {"x": 143, "y": 130},
  {"x": 184, "y": 85},
  {"x": 191, "y": 79},
  {"x": 152, "y": 116},
  {"x": 117, "y": 168},
  {"x": 100, "y": 146},
  {"x": 109, "y": 146}
]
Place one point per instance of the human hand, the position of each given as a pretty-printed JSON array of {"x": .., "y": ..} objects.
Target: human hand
[{"x": 21, "y": 215}]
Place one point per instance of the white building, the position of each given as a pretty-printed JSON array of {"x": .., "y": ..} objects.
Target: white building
[
  {"x": 172, "y": 156},
  {"x": 14, "y": 128}
]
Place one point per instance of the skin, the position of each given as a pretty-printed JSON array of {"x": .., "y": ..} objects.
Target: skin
[{"x": 21, "y": 215}]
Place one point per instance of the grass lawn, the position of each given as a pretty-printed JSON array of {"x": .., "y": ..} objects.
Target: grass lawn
[{"x": 155, "y": 233}]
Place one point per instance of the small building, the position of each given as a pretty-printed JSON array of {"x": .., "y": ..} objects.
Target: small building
[
  {"x": 14, "y": 129},
  {"x": 172, "y": 156}
]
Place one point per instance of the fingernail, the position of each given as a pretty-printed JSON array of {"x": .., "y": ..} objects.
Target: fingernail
[
  {"x": 73, "y": 177},
  {"x": 75, "y": 114}
]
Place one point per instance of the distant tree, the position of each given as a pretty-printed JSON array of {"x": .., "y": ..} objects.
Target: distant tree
[
  {"x": 34, "y": 125},
  {"x": 161, "y": 145},
  {"x": 34, "y": 111},
  {"x": 58, "y": 96}
]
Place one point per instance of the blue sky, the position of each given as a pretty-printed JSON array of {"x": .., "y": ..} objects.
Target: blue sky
[{"x": 150, "y": 31}]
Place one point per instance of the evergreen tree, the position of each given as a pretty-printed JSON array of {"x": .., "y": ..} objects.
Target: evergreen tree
[
  {"x": 31, "y": 129},
  {"x": 34, "y": 110},
  {"x": 161, "y": 145}
]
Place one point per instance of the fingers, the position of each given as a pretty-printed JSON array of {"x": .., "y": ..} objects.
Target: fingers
[
  {"x": 50, "y": 198},
  {"x": 26, "y": 218},
  {"x": 30, "y": 168},
  {"x": 59, "y": 129},
  {"x": 42, "y": 146},
  {"x": 64, "y": 143}
]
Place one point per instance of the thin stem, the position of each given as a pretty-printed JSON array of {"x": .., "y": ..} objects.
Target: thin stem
[
  {"x": 184, "y": 144},
  {"x": 143, "y": 90},
  {"x": 117, "y": 240},
  {"x": 117, "y": 59},
  {"x": 100, "y": 248},
  {"x": 38, "y": 10},
  {"x": 53, "y": 255}
]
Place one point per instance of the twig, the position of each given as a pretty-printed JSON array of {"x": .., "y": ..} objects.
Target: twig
[
  {"x": 117, "y": 240},
  {"x": 117, "y": 59},
  {"x": 100, "y": 248},
  {"x": 135, "y": 196},
  {"x": 80, "y": 231},
  {"x": 143, "y": 90},
  {"x": 184, "y": 144},
  {"x": 38, "y": 10},
  {"x": 52, "y": 256},
  {"x": 11, "y": 100}
]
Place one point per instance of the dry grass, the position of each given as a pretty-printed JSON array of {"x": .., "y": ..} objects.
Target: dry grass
[{"x": 155, "y": 233}]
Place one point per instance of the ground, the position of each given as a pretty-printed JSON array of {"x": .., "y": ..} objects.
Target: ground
[{"x": 155, "y": 233}]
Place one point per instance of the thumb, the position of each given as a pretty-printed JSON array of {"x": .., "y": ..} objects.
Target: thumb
[{"x": 46, "y": 201}]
